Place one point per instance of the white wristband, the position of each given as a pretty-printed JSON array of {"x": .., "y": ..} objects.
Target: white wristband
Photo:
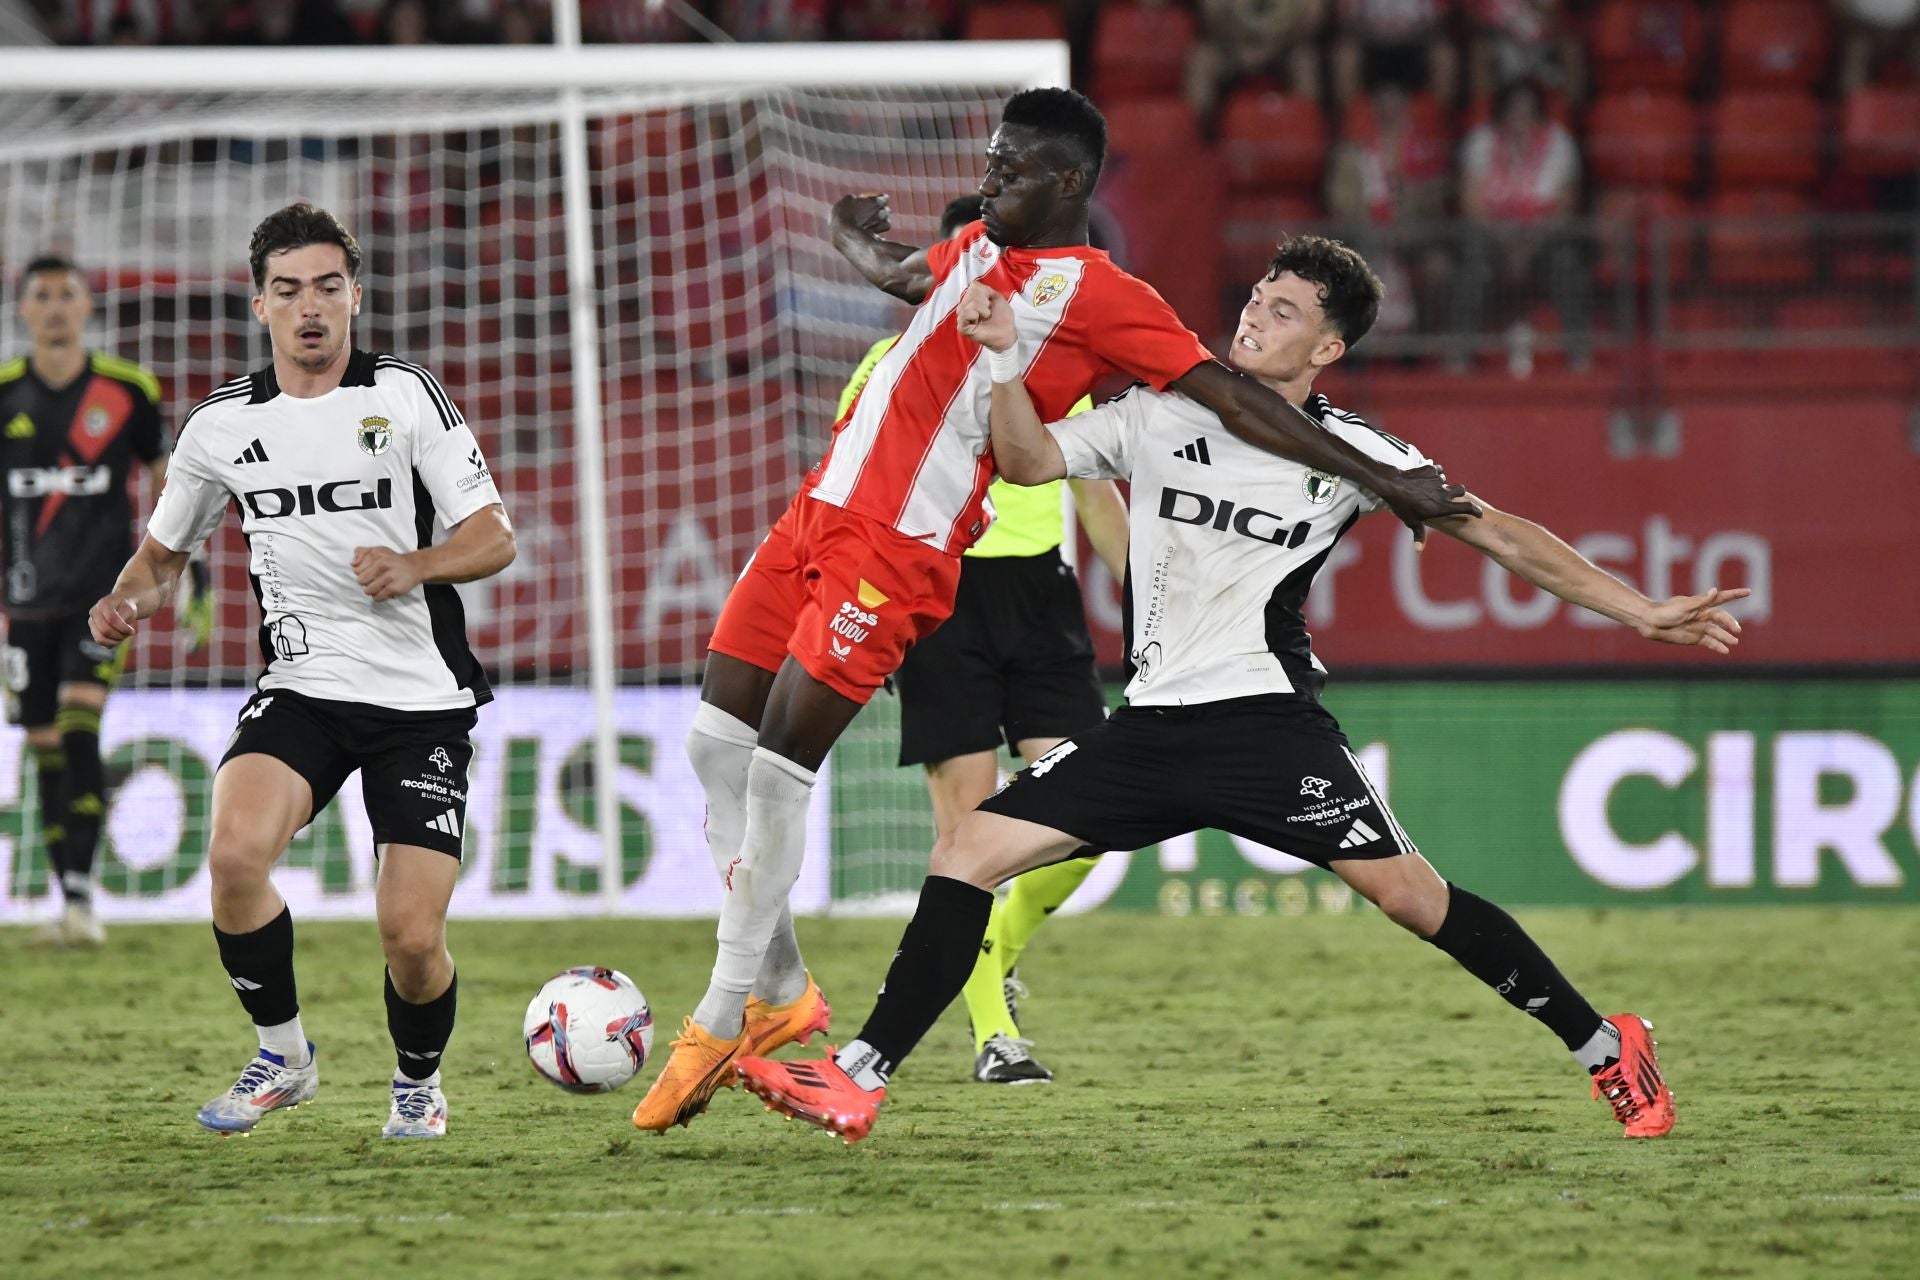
[{"x": 1004, "y": 366}]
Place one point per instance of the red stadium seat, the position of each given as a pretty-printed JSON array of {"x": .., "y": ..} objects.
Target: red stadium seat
[
  {"x": 1643, "y": 138},
  {"x": 1015, "y": 21},
  {"x": 1770, "y": 138},
  {"x": 1139, "y": 50},
  {"x": 1272, "y": 141},
  {"x": 1761, "y": 238},
  {"x": 1775, "y": 44},
  {"x": 1626, "y": 216},
  {"x": 1645, "y": 44},
  {"x": 1152, "y": 125},
  {"x": 1880, "y": 131}
]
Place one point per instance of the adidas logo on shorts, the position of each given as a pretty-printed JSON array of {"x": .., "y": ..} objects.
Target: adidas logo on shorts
[
  {"x": 1358, "y": 834},
  {"x": 447, "y": 823}
]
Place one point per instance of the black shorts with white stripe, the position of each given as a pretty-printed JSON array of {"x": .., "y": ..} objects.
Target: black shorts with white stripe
[
  {"x": 413, "y": 764},
  {"x": 1275, "y": 769}
]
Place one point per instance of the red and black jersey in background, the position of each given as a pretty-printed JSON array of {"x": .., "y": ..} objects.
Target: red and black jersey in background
[{"x": 67, "y": 453}]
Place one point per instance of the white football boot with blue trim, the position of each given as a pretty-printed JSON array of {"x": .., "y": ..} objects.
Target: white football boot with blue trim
[
  {"x": 419, "y": 1109},
  {"x": 268, "y": 1084}
]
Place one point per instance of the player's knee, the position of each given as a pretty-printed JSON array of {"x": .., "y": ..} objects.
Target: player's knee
[
  {"x": 959, "y": 858},
  {"x": 237, "y": 858},
  {"x": 1412, "y": 904},
  {"x": 412, "y": 943}
]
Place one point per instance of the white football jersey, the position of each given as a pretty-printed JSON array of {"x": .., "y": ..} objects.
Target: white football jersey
[
  {"x": 1225, "y": 540},
  {"x": 383, "y": 460}
]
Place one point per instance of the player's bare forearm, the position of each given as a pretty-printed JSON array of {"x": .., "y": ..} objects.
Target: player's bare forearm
[
  {"x": 478, "y": 547},
  {"x": 1533, "y": 553},
  {"x": 1103, "y": 514},
  {"x": 1023, "y": 449},
  {"x": 144, "y": 586},
  {"x": 895, "y": 268},
  {"x": 1266, "y": 421}
]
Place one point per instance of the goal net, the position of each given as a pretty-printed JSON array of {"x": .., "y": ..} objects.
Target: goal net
[{"x": 725, "y": 326}]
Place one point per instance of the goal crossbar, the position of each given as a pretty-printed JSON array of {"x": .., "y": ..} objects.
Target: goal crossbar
[{"x": 1032, "y": 63}]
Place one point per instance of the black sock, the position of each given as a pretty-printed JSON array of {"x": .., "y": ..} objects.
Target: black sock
[
  {"x": 86, "y": 796},
  {"x": 50, "y": 763},
  {"x": 936, "y": 954},
  {"x": 420, "y": 1031},
  {"x": 1491, "y": 945},
  {"x": 260, "y": 966}
]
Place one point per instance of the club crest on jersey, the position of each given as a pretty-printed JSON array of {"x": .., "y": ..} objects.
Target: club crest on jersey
[
  {"x": 20, "y": 427},
  {"x": 375, "y": 436},
  {"x": 1320, "y": 487},
  {"x": 96, "y": 421},
  {"x": 1047, "y": 288}
]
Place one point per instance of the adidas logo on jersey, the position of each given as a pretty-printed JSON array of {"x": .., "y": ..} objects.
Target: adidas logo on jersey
[
  {"x": 256, "y": 452},
  {"x": 1358, "y": 834},
  {"x": 1195, "y": 452},
  {"x": 447, "y": 823}
]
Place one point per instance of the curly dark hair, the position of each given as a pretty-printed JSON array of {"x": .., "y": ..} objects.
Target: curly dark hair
[
  {"x": 1065, "y": 117},
  {"x": 1349, "y": 291},
  {"x": 295, "y": 227}
]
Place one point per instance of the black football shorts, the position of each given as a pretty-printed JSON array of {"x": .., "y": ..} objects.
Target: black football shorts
[
  {"x": 45, "y": 653},
  {"x": 413, "y": 764},
  {"x": 1013, "y": 662},
  {"x": 1274, "y": 768}
]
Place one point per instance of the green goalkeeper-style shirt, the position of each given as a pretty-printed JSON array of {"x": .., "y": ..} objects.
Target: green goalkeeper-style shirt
[{"x": 1027, "y": 519}]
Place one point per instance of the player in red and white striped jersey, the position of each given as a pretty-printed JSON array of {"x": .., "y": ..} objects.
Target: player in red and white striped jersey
[{"x": 865, "y": 561}]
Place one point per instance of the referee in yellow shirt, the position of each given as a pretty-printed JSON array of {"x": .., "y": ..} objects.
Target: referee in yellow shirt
[{"x": 1013, "y": 664}]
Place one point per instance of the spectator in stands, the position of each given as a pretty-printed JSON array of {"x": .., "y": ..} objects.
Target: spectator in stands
[
  {"x": 406, "y": 22},
  {"x": 1523, "y": 39},
  {"x": 1519, "y": 184},
  {"x": 120, "y": 22},
  {"x": 630, "y": 22},
  {"x": 302, "y": 22},
  {"x": 1877, "y": 32},
  {"x": 897, "y": 19},
  {"x": 519, "y": 24},
  {"x": 1241, "y": 39},
  {"x": 776, "y": 20},
  {"x": 1388, "y": 184},
  {"x": 1402, "y": 40}
]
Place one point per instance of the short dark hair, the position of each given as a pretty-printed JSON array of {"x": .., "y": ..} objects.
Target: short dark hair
[
  {"x": 959, "y": 213},
  {"x": 44, "y": 264},
  {"x": 1065, "y": 116},
  {"x": 1349, "y": 291},
  {"x": 295, "y": 227}
]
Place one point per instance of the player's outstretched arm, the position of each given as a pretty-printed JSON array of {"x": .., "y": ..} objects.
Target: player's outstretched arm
[
  {"x": 478, "y": 547},
  {"x": 859, "y": 224},
  {"x": 1267, "y": 421},
  {"x": 143, "y": 586},
  {"x": 1528, "y": 551},
  {"x": 1023, "y": 449}
]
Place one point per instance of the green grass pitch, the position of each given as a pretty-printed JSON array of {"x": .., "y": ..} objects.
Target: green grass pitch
[{"x": 1236, "y": 1098}]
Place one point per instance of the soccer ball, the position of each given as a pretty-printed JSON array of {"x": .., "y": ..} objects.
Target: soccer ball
[{"x": 589, "y": 1030}]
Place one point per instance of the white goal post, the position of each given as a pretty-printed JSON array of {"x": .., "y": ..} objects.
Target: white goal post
[{"x": 664, "y": 205}]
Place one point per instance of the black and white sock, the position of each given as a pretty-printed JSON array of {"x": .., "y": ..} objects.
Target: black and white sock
[
  {"x": 937, "y": 953},
  {"x": 420, "y": 1031},
  {"x": 260, "y": 968},
  {"x": 1491, "y": 945}
]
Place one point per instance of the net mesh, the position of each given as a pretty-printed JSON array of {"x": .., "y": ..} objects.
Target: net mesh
[{"x": 727, "y": 328}]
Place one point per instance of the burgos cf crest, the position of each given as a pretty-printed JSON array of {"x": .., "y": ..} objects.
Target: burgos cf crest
[
  {"x": 1320, "y": 487},
  {"x": 375, "y": 435},
  {"x": 1047, "y": 288}
]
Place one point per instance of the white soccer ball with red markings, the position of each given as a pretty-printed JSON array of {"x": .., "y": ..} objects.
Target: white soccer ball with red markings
[{"x": 589, "y": 1030}]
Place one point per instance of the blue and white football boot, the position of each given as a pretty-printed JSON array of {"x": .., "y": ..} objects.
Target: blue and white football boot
[
  {"x": 268, "y": 1084},
  {"x": 419, "y": 1109}
]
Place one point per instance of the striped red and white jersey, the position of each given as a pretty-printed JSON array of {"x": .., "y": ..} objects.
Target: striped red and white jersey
[{"x": 913, "y": 450}]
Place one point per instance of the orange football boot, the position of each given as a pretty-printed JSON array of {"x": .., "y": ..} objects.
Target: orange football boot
[
  {"x": 818, "y": 1092},
  {"x": 1633, "y": 1085},
  {"x": 771, "y": 1025},
  {"x": 699, "y": 1066}
]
